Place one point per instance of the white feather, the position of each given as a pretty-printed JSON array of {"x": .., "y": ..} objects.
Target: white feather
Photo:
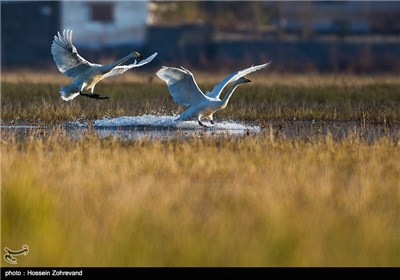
[
  {"x": 86, "y": 74},
  {"x": 185, "y": 91}
]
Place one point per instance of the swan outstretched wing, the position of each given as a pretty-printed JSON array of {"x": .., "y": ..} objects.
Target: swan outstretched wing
[
  {"x": 216, "y": 92},
  {"x": 182, "y": 85},
  {"x": 123, "y": 68},
  {"x": 66, "y": 56}
]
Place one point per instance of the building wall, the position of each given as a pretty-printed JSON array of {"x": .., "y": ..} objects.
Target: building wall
[
  {"x": 128, "y": 25},
  {"x": 334, "y": 16},
  {"x": 291, "y": 55}
]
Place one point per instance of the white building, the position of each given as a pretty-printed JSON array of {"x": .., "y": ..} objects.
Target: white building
[{"x": 98, "y": 24}]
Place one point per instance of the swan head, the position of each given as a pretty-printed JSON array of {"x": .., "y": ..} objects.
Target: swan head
[
  {"x": 243, "y": 80},
  {"x": 135, "y": 55}
]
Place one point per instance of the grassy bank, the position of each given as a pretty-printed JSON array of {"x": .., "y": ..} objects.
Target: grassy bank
[
  {"x": 33, "y": 103},
  {"x": 201, "y": 202}
]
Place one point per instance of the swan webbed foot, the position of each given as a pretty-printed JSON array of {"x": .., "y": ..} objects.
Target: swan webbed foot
[
  {"x": 101, "y": 97},
  {"x": 94, "y": 95},
  {"x": 204, "y": 125}
]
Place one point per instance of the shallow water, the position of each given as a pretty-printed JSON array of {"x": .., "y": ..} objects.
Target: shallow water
[
  {"x": 139, "y": 127},
  {"x": 20, "y": 126},
  {"x": 338, "y": 130},
  {"x": 160, "y": 127}
]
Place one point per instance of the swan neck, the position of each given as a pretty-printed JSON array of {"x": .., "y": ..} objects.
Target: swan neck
[
  {"x": 229, "y": 93},
  {"x": 111, "y": 66}
]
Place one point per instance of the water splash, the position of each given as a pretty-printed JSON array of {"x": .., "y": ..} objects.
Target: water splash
[
  {"x": 160, "y": 127},
  {"x": 76, "y": 124},
  {"x": 150, "y": 122}
]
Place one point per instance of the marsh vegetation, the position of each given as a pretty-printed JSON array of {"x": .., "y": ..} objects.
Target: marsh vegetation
[{"x": 254, "y": 200}]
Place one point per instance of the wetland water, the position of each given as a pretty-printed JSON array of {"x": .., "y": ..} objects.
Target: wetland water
[{"x": 164, "y": 128}]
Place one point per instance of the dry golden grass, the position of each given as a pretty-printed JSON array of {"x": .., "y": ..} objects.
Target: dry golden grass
[
  {"x": 251, "y": 201},
  {"x": 219, "y": 201},
  {"x": 40, "y": 103}
]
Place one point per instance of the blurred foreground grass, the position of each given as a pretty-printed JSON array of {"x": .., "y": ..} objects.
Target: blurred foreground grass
[{"x": 249, "y": 201}]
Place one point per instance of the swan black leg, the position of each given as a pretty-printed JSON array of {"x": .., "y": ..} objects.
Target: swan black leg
[
  {"x": 203, "y": 125},
  {"x": 94, "y": 95},
  {"x": 100, "y": 97}
]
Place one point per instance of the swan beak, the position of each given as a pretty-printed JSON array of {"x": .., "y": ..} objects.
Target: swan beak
[
  {"x": 138, "y": 55},
  {"x": 246, "y": 80}
]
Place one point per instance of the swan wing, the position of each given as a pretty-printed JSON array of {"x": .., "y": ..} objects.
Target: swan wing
[
  {"x": 216, "y": 92},
  {"x": 66, "y": 56},
  {"x": 123, "y": 68},
  {"x": 182, "y": 85}
]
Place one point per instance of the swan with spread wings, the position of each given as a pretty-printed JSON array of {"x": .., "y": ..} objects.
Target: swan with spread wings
[
  {"x": 185, "y": 91},
  {"x": 86, "y": 74}
]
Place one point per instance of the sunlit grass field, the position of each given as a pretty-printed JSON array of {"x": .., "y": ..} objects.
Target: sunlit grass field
[
  {"x": 253, "y": 200},
  {"x": 37, "y": 101},
  {"x": 202, "y": 202}
]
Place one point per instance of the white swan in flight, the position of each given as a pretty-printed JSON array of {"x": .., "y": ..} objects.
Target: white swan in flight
[
  {"x": 86, "y": 74},
  {"x": 185, "y": 91}
]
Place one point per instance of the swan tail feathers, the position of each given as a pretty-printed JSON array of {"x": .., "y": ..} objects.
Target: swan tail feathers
[{"x": 67, "y": 93}]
